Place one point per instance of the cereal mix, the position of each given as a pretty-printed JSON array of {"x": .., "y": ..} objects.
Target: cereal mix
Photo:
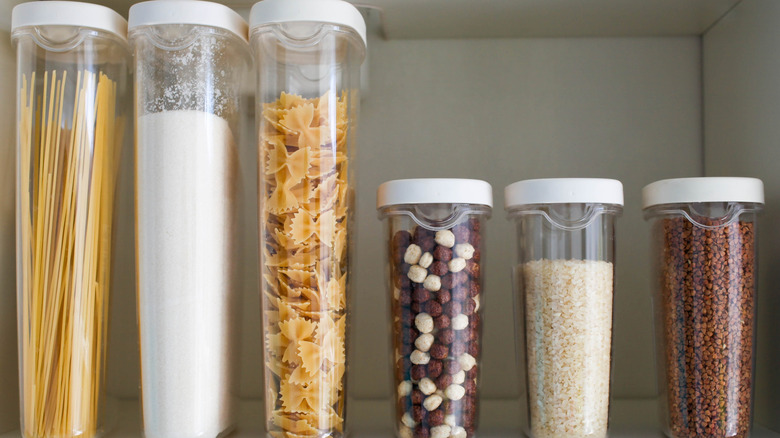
[{"x": 437, "y": 288}]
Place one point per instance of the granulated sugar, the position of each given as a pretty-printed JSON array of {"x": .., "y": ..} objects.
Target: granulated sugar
[
  {"x": 568, "y": 318},
  {"x": 187, "y": 168}
]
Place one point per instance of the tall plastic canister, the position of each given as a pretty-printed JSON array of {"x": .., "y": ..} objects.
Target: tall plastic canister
[
  {"x": 308, "y": 55},
  {"x": 73, "y": 90},
  {"x": 191, "y": 58}
]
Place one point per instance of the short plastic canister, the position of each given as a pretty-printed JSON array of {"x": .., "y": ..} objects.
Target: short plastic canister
[
  {"x": 564, "y": 281},
  {"x": 308, "y": 55},
  {"x": 704, "y": 238},
  {"x": 191, "y": 59},
  {"x": 73, "y": 90},
  {"x": 435, "y": 231}
]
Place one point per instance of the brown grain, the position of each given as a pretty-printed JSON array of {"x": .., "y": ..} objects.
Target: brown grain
[{"x": 708, "y": 311}]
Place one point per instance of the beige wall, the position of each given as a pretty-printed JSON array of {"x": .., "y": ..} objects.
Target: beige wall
[
  {"x": 742, "y": 137},
  {"x": 505, "y": 110},
  {"x": 9, "y": 402},
  {"x": 500, "y": 110}
]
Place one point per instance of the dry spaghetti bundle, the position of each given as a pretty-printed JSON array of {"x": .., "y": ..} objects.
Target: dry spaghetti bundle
[{"x": 69, "y": 136}]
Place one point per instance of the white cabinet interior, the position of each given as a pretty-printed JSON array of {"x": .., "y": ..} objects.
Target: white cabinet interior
[{"x": 637, "y": 90}]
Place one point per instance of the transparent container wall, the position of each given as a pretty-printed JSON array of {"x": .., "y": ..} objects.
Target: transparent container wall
[
  {"x": 188, "y": 81},
  {"x": 72, "y": 88},
  {"x": 9, "y": 383},
  {"x": 705, "y": 305},
  {"x": 435, "y": 267},
  {"x": 565, "y": 283},
  {"x": 307, "y": 104}
]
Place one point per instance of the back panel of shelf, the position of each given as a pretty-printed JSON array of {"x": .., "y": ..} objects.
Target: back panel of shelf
[{"x": 620, "y": 105}]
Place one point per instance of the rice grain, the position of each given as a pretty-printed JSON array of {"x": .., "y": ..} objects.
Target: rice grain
[{"x": 568, "y": 329}]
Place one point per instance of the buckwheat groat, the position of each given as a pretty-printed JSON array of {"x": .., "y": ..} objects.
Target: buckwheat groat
[
  {"x": 707, "y": 306},
  {"x": 705, "y": 238}
]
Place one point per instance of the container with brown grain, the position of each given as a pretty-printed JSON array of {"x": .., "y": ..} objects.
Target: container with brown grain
[{"x": 704, "y": 236}]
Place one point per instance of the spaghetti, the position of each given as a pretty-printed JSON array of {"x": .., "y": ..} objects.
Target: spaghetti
[{"x": 68, "y": 150}]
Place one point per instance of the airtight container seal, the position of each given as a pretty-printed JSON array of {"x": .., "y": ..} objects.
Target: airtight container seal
[
  {"x": 188, "y": 12},
  {"x": 336, "y": 12},
  {"x": 434, "y": 191},
  {"x": 706, "y": 189},
  {"x": 63, "y": 13},
  {"x": 564, "y": 191}
]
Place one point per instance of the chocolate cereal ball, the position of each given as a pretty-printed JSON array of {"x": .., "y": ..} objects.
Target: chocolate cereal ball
[{"x": 435, "y": 325}]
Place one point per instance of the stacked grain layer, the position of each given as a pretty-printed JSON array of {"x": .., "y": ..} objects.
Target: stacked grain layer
[
  {"x": 436, "y": 329},
  {"x": 708, "y": 295},
  {"x": 568, "y": 322}
]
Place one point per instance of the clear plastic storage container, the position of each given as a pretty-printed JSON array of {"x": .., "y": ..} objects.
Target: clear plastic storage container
[
  {"x": 435, "y": 232},
  {"x": 308, "y": 55},
  {"x": 191, "y": 59},
  {"x": 72, "y": 83},
  {"x": 565, "y": 280},
  {"x": 705, "y": 242}
]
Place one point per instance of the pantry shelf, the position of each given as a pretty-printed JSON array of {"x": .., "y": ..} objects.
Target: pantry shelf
[
  {"x": 631, "y": 418},
  {"x": 546, "y": 18},
  {"x": 502, "y": 90},
  {"x": 531, "y": 18}
]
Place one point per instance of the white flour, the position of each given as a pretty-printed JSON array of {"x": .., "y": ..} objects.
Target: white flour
[{"x": 186, "y": 173}]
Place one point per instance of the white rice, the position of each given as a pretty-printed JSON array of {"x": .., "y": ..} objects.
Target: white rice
[{"x": 568, "y": 311}]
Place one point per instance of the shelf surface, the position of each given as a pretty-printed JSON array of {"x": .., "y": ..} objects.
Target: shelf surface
[
  {"x": 530, "y": 18},
  {"x": 373, "y": 418}
]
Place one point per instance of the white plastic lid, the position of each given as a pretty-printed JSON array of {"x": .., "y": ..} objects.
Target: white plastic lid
[
  {"x": 709, "y": 189},
  {"x": 563, "y": 191},
  {"x": 322, "y": 11},
  {"x": 434, "y": 191},
  {"x": 60, "y": 13},
  {"x": 5, "y": 13},
  {"x": 188, "y": 12}
]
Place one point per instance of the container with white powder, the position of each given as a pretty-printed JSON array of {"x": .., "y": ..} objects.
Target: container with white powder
[
  {"x": 188, "y": 77},
  {"x": 565, "y": 283}
]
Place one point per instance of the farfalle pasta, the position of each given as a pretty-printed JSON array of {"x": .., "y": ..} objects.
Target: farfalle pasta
[{"x": 305, "y": 204}]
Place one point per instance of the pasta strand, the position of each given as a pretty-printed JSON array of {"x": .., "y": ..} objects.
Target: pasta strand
[{"x": 68, "y": 140}]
